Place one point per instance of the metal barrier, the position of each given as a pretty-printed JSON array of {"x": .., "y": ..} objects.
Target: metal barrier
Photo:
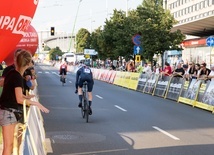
[{"x": 29, "y": 138}]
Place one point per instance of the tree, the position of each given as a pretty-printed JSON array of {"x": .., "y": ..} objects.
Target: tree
[
  {"x": 156, "y": 25},
  {"x": 117, "y": 36},
  {"x": 53, "y": 53},
  {"x": 83, "y": 40}
]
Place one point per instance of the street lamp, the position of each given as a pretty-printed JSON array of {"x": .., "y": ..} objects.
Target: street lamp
[
  {"x": 127, "y": 8},
  {"x": 69, "y": 48}
]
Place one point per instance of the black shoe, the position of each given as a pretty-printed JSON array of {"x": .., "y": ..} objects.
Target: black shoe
[
  {"x": 80, "y": 105},
  {"x": 90, "y": 111},
  {"x": 76, "y": 92}
]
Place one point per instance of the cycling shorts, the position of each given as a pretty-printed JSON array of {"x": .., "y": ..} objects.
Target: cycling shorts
[
  {"x": 62, "y": 71},
  {"x": 89, "y": 81}
]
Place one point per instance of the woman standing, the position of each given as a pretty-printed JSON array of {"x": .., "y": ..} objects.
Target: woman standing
[{"x": 11, "y": 97}]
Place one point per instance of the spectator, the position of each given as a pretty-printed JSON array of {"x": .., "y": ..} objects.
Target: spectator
[
  {"x": 167, "y": 71},
  {"x": 147, "y": 69},
  {"x": 179, "y": 71},
  {"x": 186, "y": 73},
  {"x": 11, "y": 97},
  {"x": 196, "y": 71},
  {"x": 211, "y": 75},
  {"x": 27, "y": 81},
  {"x": 8, "y": 68},
  {"x": 204, "y": 72},
  {"x": 1, "y": 67},
  {"x": 191, "y": 69}
]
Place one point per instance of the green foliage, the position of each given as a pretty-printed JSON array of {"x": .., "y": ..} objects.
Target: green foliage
[
  {"x": 83, "y": 40},
  {"x": 156, "y": 24},
  {"x": 53, "y": 52},
  {"x": 47, "y": 48},
  {"x": 115, "y": 39}
]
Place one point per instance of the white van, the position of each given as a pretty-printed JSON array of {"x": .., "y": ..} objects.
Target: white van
[{"x": 70, "y": 57}]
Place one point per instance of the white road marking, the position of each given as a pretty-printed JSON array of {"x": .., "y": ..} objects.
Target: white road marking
[
  {"x": 47, "y": 72},
  {"x": 39, "y": 72},
  {"x": 166, "y": 133},
  {"x": 120, "y": 108},
  {"x": 99, "y": 96},
  {"x": 70, "y": 82}
]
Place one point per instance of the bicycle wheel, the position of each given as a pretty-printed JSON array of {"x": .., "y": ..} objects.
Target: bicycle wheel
[
  {"x": 87, "y": 112},
  {"x": 83, "y": 110}
]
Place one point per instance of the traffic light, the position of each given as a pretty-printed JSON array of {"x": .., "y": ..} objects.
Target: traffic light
[
  {"x": 43, "y": 45},
  {"x": 52, "y": 31}
]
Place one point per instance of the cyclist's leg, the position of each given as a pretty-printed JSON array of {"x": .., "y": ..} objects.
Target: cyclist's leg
[
  {"x": 80, "y": 84},
  {"x": 90, "y": 96}
]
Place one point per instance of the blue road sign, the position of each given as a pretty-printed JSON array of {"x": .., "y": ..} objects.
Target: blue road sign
[
  {"x": 137, "y": 49},
  {"x": 210, "y": 41},
  {"x": 136, "y": 39}
]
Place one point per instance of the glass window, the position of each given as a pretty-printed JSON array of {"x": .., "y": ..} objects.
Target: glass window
[{"x": 206, "y": 3}]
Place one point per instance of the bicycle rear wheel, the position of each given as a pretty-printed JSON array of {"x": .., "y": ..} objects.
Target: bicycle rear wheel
[
  {"x": 83, "y": 110},
  {"x": 86, "y": 112}
]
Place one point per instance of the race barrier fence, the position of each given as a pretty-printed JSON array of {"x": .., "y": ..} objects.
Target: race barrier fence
[
  {"x": 29, "y": 137},
  {"x": 195, "y": 93}
]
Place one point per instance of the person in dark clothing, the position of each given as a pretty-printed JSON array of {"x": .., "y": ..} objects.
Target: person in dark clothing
[
  {"x": 12, "y": 96},
  {"x": 8, "y": 68},
  {"x": 85, "y": 74},
  {"x": 179, "y": 71}
]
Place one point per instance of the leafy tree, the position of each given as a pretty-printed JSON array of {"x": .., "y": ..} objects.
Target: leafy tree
[
  {"x": 156, "y": 25},
  {"x": 47, "y": 48},
  {"x": 117, "y": 35},
  {"x": 54, "y": 52},
  {"x": 83, "y": 40}
]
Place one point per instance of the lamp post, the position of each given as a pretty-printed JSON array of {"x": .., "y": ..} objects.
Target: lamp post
[
  {"x": 127, "y": 8},
  {"x": 69, "y": 48}
]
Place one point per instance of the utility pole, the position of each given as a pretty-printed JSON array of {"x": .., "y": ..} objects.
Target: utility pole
[
  {"x": 127, "y": 8},
  {"x": 69, "y": 48}
]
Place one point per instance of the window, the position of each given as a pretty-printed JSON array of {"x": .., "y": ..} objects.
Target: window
[{"x": 206, "y": 3}]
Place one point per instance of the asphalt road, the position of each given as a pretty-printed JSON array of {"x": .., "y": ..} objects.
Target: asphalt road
[{"x": 124, "y": 122}]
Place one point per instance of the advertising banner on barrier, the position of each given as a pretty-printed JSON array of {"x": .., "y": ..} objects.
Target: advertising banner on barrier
[
  {"x": 126, "y": 79},
  {"x": 202, "y": 90},
  {"x": 162, "y": 85},
  {"x": 111, "y": 80},
  {"x": 175, "y": 87},
  {"x": 133, "y": 82},
  {"x": 190, "y": 96},
  {"x": 150, "y": 84},
  {"x": 208, "y": 97},
  {"x": 141, "y": 82},
  {"x": 117, "y": 78},
  {"x": 205, "y": 97}
]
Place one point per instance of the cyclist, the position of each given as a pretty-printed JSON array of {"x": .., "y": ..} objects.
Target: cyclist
[
  {"x": 63, "y": 70},
  {"x": 83, "y": 74}
]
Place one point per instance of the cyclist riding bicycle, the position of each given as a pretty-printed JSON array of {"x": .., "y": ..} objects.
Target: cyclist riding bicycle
[
  {"x": 63, "y": 70},
  {"x": 83, "y": 74}
]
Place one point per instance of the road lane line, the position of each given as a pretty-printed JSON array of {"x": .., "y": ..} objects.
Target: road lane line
[
  {"x": 70, "y": 82},
  {"x": 99, "y": 96},
  {"x": 47, "y": 72},
  {"x": 120, "y": 108},
  {"x": 39, "y": 72},
  {"x": 166, "y": 133}
]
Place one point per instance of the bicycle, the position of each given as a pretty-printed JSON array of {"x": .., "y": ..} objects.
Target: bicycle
[
  {"x": 85, "y": 108},
  {"x": 62, "y": 79}
]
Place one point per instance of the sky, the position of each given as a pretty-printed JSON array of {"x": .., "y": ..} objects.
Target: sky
[{"x": 91, "y": 14}]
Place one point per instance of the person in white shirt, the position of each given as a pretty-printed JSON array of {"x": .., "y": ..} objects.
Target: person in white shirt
[
  {"x": 147, "y": 69},
  {"x": 211, "y": 75}
]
